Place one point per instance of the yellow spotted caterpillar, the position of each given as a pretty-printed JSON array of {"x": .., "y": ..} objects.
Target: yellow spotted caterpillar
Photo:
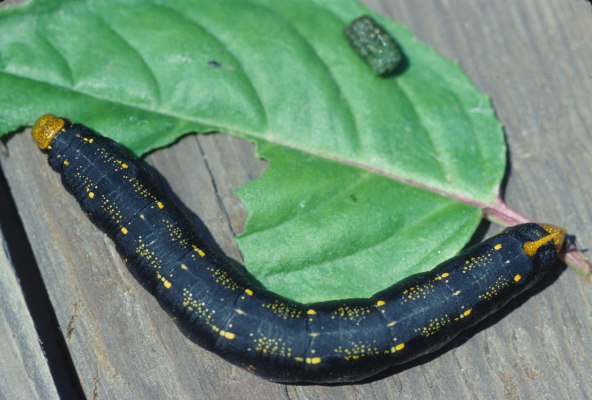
[{"x": 223, "y": 310}]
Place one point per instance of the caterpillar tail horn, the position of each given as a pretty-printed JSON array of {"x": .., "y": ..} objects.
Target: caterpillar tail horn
[{"x": 556, "y": 235}]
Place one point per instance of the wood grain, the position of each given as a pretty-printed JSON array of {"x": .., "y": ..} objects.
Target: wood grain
[
  {"x": 533, "y": 59},
  {"x": 24, "y": 369}
]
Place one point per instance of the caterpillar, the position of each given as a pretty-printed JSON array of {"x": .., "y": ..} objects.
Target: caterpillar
[
  {"x": 375, "y": 45},
  {"x": 223, "y": 310}
]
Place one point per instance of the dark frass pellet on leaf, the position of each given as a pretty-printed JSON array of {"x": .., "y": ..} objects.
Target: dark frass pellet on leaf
[{"x": 375, "y": 45}]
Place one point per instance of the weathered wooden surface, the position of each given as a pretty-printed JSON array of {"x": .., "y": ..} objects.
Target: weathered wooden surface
[
  {"x": 23, "y": 367},
  {"x": 533, "y": 58}
]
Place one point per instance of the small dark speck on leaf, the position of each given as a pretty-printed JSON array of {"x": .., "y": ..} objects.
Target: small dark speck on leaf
[
  {"x": 214, "y": 64},
  {"x": 354, "y": 198}
]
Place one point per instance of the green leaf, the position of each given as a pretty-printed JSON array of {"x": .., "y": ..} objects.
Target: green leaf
[
  {"x": 348, "y": 205},
  {"x": 343, "y": 232}
]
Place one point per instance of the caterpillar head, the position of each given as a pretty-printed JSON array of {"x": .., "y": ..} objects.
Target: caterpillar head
[{"x": 46, "y": 128}]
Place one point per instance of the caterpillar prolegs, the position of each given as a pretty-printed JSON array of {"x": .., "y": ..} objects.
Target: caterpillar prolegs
[{"x": 223, "y": 310}]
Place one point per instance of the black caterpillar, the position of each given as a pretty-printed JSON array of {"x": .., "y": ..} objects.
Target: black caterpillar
[{"x": 220, "y": 308}]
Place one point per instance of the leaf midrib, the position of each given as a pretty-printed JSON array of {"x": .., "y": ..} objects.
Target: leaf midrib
[{"x": 258, "y": 136}]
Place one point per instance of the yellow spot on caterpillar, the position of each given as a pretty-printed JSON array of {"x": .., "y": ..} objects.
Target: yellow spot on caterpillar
[
  {"x": 249, "y": 292},
  {"x": 497, "y": 246},
  {"x": 142, "y": 216},
  {"x": 160, "y": 205},
  {"x": 167, "y": 284},
  {"x": 517, "y": 278},
  {"x": 445, "y": 275},
  {"x": 456, "y": 293},
  {"x": 298, "y": 359},
  {"x": 124, "y": 230},
  {"x": 400, "y": 346},
  {"x": 311, "y": 312},
  {"x": 227, "y": 335},
  {"x": 467, "y": 312},
  {"x": 184, "y": 267},
  {"x": 215, "y": 328},
  {"x": 392, "y": 323},
  {"x": 313, "y": 334},
  {"x": 198, "y": 250},
  {"x": 380, "y": 303},
  {"x": 240, "y": 312},
  {"x": 91, "y": 195},
  {"x": 66, "y": 163},
  {"x": 313, "y": 360},
  {"x": 124, "y": 166}
]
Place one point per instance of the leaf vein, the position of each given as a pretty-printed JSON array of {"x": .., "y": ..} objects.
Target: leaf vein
[
  {"x": 198, "y": 24},
  {"x": 69, "y": 72},
  {"x": 483, "y": 164},
  {"x": 427, "y": 132},
  {"x": 307, "y": 210},
  {"x": 355, "y": 134},
  {"x": 151, "y": 75}
]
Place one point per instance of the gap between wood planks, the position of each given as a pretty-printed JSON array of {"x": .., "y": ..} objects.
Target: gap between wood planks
[{"x": 27, "y": 271}]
